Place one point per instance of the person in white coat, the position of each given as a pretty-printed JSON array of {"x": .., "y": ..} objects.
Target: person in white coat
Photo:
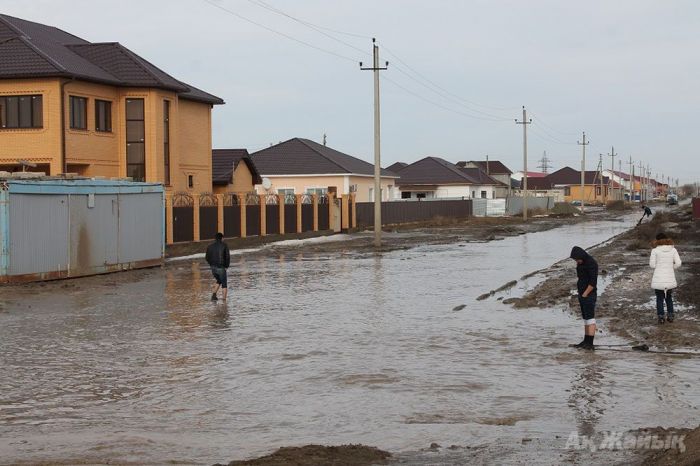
[{"x": 664, "y": 260}]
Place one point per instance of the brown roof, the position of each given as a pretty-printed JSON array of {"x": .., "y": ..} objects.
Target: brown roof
[
  {"x": 437, "y": 171},
  {"x": 495, "y": 167},
  {"x": 32, "y": 50},
  {"x": 396, "y": 167},
  {"x": 566, "y": 176},
  {"x": 225, "y": 161},
  {"x": 300, "y": 156}
]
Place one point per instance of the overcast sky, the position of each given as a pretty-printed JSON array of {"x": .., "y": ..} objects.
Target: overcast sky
[{"x": 626, "y": 72}]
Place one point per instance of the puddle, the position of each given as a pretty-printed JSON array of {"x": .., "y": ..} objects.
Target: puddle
[{"x": 320, "y": 348}]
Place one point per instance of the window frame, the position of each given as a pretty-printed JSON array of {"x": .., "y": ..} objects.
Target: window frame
[
  {"x": 36, "y": 111},
  {"x": 134, "y": 141},
  {"x": 107, "y": 114},
  {"x": 166, "y": 142},
  {"x": 72, "y": 117}
]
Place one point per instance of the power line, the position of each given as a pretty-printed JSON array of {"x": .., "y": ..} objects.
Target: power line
[
  {"x": 432, "y": 102},
  {"x": 442, "y": 88},
  {"x": 544, "y": 123},
  {"x": 330, "y": 52},
  {"x": 316, "y": 28}
]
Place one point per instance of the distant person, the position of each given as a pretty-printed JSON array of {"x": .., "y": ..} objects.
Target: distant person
[
  {"x": 219, "y": 258},
  {"x": 664, "y": 259},
  {"x": 647, "y": 213},
  {"x": 587, "y": 287}
]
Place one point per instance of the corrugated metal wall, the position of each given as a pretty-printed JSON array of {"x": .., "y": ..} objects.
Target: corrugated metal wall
[
  {"x": 38, "y": 233},
  {"x": 52, "y": 235}
]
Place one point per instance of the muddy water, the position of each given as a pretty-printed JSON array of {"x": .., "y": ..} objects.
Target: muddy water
[{"x": 313, "y": 348}]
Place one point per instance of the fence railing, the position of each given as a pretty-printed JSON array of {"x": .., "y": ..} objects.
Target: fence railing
[
  {"x": 199, "y": 216},
  {"x": 407, "y": 212}
]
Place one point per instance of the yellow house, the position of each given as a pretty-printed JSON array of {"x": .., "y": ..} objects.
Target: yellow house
[
  {"x": 98, "y": 109},
  {"x": 233, "y": 171},
  {"x": 568, "y": 182},
  {"x": 302, "y": 166}
]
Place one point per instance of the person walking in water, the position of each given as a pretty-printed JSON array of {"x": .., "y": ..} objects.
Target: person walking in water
[
  {"x": 587, "y": 286},
  {"x": 647, "y": 213},
  {"x": 219, "y": 258},
  {"x": 664, "y": 259}
]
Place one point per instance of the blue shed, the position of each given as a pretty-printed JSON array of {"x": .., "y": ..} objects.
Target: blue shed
[{"x": 54, "y": 228}]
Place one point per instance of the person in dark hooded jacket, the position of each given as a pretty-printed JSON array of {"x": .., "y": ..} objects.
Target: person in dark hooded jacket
[
  {"x": 587, "y": 287},
  {"x": 218, "y": 257}
]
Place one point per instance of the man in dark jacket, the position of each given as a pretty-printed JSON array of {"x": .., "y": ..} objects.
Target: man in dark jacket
[
  {"x": 219, "y": 258},
  {"x": 587, "y": 286},
  {"x": 647, "y": 213}
]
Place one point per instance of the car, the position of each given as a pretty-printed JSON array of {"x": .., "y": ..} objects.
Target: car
[{"x": 672, "y": 199}]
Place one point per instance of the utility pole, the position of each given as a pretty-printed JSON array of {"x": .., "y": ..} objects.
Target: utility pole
[
  {"x": 631, "y": 174},
  {"x": 377, "y": 158},
  {"x": 642, "y": 198},
  {"x": 612, "y": 169},
  {"x": 622, "y": 182},
  {"x": 525, "y": 122},
  {"x": 583, "y": 168},
  {"x": 600, "y": 173}
]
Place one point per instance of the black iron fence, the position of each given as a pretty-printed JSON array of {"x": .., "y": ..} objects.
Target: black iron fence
[{"x": 413, "y": 211}]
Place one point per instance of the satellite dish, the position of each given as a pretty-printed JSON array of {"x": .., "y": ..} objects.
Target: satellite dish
[{"x": 266, "y": 183}]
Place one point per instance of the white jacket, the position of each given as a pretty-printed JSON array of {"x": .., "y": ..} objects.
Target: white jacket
[{"x": 664, "y": 260}]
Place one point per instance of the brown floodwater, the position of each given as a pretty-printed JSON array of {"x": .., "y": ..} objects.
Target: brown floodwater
[{"x": 330, "y": 348}]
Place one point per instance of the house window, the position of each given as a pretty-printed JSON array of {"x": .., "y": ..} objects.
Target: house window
[
  {"x": 597, "y": 190},
  {"x": 405, "y": 195},
  {"x": 166, "y": 141},
  {"x": 286, "y": 191},
  {"x": 319, "y": 191},
  {"x": 190, "y": 181},
  {"x": 421, "y": 195},
  {"x": 21, "y": 111},
  {"x": 135, "y": 140},
  {"x": 353, "y": 188},
  {"x": 567, "y": 191},
  {"x": 78, "y": 112},
  {"x": 103, "y": 116},
  {"x": 473, "y": 194},
  {"x": 483, "y": 194}
]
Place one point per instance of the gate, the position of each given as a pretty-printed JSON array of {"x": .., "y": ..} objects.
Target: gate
[
  {"x": 323, "y": 213},
  {"x": 307, "y": 213},
  {"x": 232, "y": 215},
  {"x": 252, "y": 210},
  {"x": 208, "y": 216},
  {"x": 183, "y": 217}
]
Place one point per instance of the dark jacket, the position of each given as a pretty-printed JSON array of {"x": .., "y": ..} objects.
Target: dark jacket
[
  {"x": 587, "y": 271},
  {"x": 218, "y": 255},
  {"x": 647, "y": 211}
]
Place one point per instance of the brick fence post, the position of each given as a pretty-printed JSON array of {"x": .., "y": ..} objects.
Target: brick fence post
[
  {"x": 344, "y": 211},
  {"x": 220, "y": 213},
  {"x": 354, "y": 210},
  {"x": 314, "y": 200},
  {"x": 195, "y": 217},
  {"x": 331, "y": 211},
  {"x": 168, "y": 218},
  {"x": 242, "y": 201},
  {"x": 298, "y": 199},
  {"x": 280, "y": 203},
  {"x": 262, "y": 198}
]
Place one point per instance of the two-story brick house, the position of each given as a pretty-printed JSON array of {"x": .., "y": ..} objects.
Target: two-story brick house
[{"x": 98, "y": 109}]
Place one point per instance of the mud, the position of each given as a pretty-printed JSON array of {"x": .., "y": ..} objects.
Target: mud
[
  {"x": 319, "y": 455},
  {"x": 626, "y": 306}
]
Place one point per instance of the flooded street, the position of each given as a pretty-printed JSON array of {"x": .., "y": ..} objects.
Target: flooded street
[{"x": 334, "y": 348}]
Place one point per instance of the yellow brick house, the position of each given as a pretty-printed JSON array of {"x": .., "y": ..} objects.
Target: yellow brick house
[{"x": 98, "y": 109}]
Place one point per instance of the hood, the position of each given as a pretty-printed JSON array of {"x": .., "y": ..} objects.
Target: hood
[
  {"x": 663, "y": 242},
  {"x": 578, "y": 253},
  {"x": 665, "y": 247}
]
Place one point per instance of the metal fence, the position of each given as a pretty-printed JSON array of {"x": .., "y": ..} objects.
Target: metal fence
[
  {"x": 396, "y": 212},
  {"x": 515, "y": 204}
]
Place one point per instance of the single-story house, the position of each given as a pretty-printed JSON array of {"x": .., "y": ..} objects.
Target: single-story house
[
  {"x": 233, "y": 171},
  {"x": 433, "y": 177},
  {"x": 496, "y": 170},
  {"x": 299, "y": 166},
  {"x": 569, "y": 181},
  {"x": 396, "y": 166}
]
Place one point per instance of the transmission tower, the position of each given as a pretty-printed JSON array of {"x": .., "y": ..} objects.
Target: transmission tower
[{"x": 544, "y": 163}]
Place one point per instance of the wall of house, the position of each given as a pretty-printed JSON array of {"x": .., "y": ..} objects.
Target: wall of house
[
  {"x": 89, "y": 152},
  {"x": 364, "y": 184},
  {"x": 590, "y": 193},
  {"x": 193, "y": 156},
  {"x": 40, "y": 145},
  {"x": 343, "y": 184},
  {"x": 242, "y": 181}
]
